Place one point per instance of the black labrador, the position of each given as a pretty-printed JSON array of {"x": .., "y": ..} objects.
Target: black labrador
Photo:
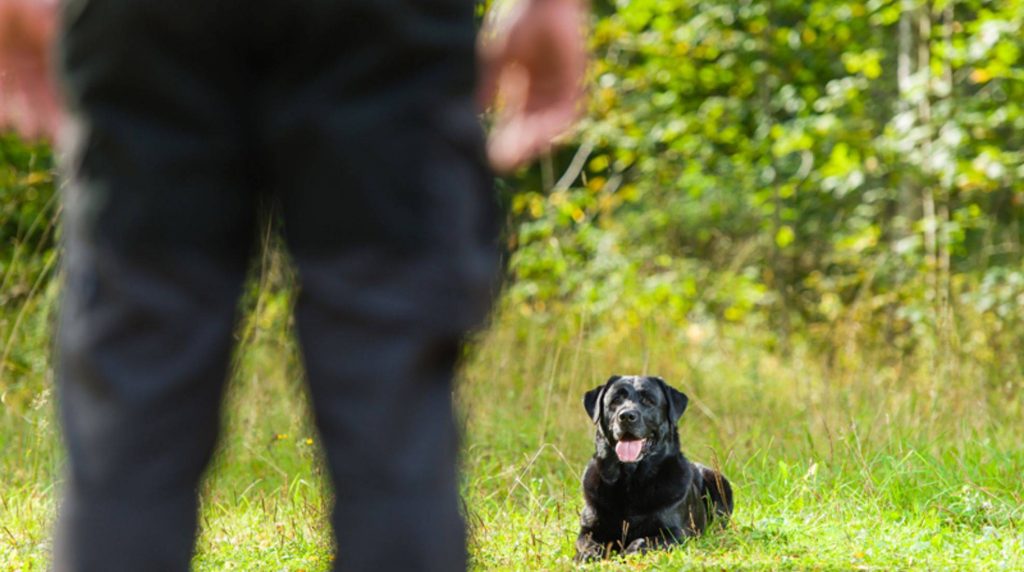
[{"x": 640, "y": 491}]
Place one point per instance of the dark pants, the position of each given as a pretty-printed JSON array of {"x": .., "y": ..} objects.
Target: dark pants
[{"x": 356, "y": 117}]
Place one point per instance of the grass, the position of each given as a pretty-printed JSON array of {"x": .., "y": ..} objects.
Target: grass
[
  {"x": 868, "y": 468},
  {"x": 862, "y": 463}
]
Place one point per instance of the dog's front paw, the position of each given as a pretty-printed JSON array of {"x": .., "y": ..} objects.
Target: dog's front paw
[
  {"x": 591, "y": 553},
  {"x": 587, "y": 550},
  {"x": 639, "y": 546}
]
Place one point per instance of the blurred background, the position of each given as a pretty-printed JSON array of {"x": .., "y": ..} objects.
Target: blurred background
[
  {"x": 806, "y": 215},
  {"x": 826, "y": 173}
]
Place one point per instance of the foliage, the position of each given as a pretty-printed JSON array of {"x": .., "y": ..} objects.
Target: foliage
[
  {"x": 28, "y": 260},
  {"x": 800, "y": 167},
  {"x": 27, "y": 214}
]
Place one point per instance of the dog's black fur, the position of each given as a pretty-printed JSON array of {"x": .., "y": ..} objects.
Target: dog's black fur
[{"x": 660, "y": 498}]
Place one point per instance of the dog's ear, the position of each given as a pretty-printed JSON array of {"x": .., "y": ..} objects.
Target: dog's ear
[
  {"x": 593, "y": 398},
  {"x": 676, "y": 400}
]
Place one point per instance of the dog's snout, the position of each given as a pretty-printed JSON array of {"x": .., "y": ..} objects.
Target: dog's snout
[{"x": 629, "y": 416}]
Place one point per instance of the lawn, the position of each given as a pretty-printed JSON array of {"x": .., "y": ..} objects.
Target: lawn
[{"x": 838, "y": 463}]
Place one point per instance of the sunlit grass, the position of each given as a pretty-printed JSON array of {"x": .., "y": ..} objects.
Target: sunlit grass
[
  {"x": 871, "y": 464},
  {"x": 868, "y": 467}
]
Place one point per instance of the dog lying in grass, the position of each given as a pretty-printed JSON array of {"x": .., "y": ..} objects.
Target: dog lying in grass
[{"x": 641, "y": 493}]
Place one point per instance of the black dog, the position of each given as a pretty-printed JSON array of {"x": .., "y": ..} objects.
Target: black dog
[{"x": 640, "y": 491}]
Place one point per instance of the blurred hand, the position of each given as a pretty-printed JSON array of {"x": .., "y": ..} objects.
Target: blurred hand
[
  {"x": 532, "y": 66},
  {"x": 28, "y": 101}
]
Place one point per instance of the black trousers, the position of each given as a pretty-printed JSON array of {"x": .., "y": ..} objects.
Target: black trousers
[{"x": 356, "y": 116}]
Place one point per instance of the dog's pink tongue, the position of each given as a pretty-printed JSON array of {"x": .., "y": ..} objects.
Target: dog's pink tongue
[{"x": 629, "y": 451}]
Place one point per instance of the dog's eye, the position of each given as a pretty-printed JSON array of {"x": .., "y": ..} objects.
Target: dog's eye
[{"x": 646, "y": 398}]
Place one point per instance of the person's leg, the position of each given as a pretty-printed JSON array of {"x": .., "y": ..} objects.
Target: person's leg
[
  {"x": 157, "y": 229},
  {"x": 381, "y": 389},
  {"x": 378, "y": 158}
]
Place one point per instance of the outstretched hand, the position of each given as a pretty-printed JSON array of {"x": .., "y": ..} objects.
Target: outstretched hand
[
  {"x": 28, "y": 101},
  {"x": 532, "y": 66}
]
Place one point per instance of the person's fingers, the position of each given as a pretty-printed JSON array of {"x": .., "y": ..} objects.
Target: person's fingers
[
  {"x": 10, "y": 101},
  {"x": 28, "y": 105},
  {"x": 51, "y": 119},
  {"x": 507, "y": 137},
  {"x": 41, "y": 96},
  {"x": 5, "y": 121},
  {"x": 502, "y": 27},
  {"x": 526, "y": 136},
  {"x": 531, "y": 117},
  {"x": 22, "y": 116},
  {"x": 506, "y": 148}
]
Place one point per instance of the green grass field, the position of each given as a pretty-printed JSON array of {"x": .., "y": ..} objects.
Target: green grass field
[{"x": 837, "y": 466}]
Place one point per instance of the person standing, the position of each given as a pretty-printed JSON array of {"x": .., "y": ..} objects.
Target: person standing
[{"x": 358, "y": 118}]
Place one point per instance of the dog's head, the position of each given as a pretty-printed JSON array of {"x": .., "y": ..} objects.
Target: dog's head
[{"x": 636, "y": 416}]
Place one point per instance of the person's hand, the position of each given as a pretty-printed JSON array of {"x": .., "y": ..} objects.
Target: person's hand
[
  {"x": 28, "y": 102},
  {"x": 532, "y": 66}
]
